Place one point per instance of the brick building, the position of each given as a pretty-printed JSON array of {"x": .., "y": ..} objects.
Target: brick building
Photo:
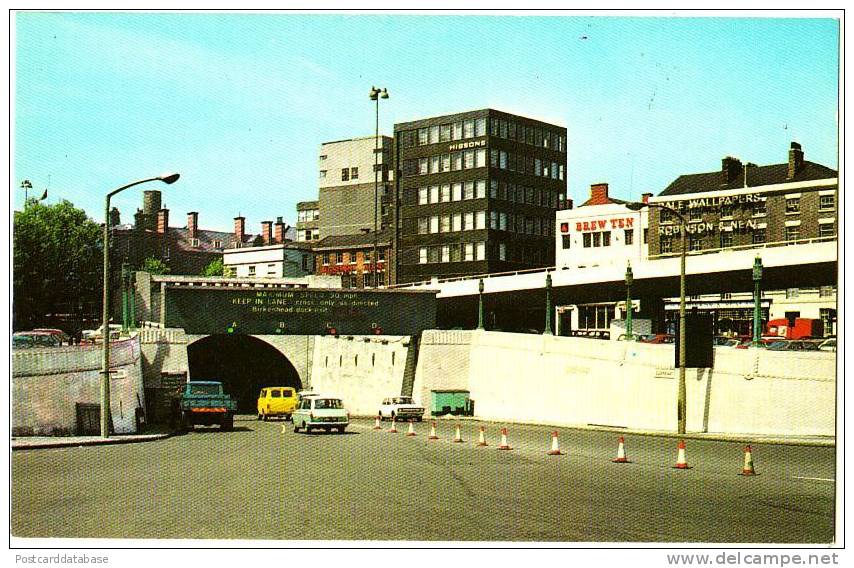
[{"x": 349, "y": 256}]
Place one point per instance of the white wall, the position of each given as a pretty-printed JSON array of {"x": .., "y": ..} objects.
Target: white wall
[
  {"x": 47, "y": 384},
  {"x": 577, "y": 381},
  {"x": 361, "y": 371}
]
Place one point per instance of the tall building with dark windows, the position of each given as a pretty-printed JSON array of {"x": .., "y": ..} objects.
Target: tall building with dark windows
[{"x": 475, "y": 193}]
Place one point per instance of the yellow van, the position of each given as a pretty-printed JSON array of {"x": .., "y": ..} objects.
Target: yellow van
[{"x": 276, "y": 401}]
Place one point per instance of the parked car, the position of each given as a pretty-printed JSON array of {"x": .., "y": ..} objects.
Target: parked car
[
  {"x": 97, "y": 334},
  {"x": 28, "y": 339},
  {"x": 657, "y": 338},
  {"x": 276, "y": 401},
  {"x": 793, "y": 345},
  {"x": 323, "y": 412},
  {"x": 401, "y": 408},
  {"x": 64, "y": 338},
  {"x": 828, "y": 345}
]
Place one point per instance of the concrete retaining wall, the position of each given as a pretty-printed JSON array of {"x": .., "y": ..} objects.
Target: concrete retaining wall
[
  {"x": 362, "y": 370},
  {"x": 48, "y": 383},
  {"x": 578, "y": 381}
]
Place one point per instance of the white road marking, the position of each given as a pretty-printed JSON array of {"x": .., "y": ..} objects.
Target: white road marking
[{"x": 813, "y": 478}]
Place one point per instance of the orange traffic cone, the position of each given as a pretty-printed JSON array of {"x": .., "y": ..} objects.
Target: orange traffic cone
[
  {"x": 555, "y": 451},
  {"x": 393, "y": 429},
  {"x": 411, "y": 431},
  {"x": 481, "y": 438},
  {"x": 457, "y": 436},
  {"x": 504, "y": 445},
  {"x": 433, "y": 435},
  {"x": 748, "y": 463},
  {"x": 681, "y": 463},
  {"x": 377, "y": 424},
  {"x": 621, "y": 452}
]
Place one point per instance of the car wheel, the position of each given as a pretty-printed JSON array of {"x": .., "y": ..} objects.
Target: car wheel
[
  {"x": 264, "y": 417},
  {"x": 418, "y": 419},
  {"x": 259, "y": 416},
  {"x": 227, "y": 423},
  {"x": 341, "y": 429},
  {"x": 306, "y": 428},
  {"x": 296, "y": 428}
]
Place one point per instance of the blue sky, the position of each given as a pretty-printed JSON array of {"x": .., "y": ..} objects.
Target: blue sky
[{"x": 239, "y": 103}]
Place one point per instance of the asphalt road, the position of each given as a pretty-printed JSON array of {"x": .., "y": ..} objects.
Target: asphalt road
[{"x": 258, "y": 482}]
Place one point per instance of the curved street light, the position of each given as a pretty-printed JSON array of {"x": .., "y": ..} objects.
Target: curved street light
[
  {"x": 375, "y": 95},
  {"x": 681, "y": 404},
  {"x": 169, "y": 178}
]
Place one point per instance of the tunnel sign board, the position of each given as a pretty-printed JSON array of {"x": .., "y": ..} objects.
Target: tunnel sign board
[{"x": 298, "y": 311}]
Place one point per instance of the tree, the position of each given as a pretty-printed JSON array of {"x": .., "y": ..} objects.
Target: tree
[
  {"x": 57, "y": 265},
  {"x": 213, "y": 269},
  {"x": 258, "y": 241},
  {"x": 154, "y": 266}
]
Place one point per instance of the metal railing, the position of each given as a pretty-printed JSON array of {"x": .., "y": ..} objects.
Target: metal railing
[{"x": 548, "y": 269}]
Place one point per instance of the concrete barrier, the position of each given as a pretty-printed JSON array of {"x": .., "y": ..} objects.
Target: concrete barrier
[
  {"x": 577, "y": 381},
  {"x": 48, "y": 383}
]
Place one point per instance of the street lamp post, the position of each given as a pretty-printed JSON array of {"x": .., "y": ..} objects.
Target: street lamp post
[
  {"x": 376, "y": 95},
  {"x": 480, "y": 304},
  {"x": 105, "y": 329},
  {"x": 629, "y": 280},
  {"x": 681, "y": 402},
  {"x": 757, "y": 300},
  {"x": 548, "y": 329}
]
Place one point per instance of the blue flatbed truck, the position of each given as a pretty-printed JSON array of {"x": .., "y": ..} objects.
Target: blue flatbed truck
[{"x": 205, "y": 403}]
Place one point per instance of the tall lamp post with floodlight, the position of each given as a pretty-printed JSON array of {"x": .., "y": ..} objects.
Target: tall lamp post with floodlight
[
  {"x": 105, "y": 329},
  {"x": 680, "y": 408},
  {"x": 376, "y": 95}
]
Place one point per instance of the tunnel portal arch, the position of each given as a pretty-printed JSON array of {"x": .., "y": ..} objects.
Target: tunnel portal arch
[{"x": 244, "y": 364}]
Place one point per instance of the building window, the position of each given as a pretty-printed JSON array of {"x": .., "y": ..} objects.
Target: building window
[
  {"x": 597, "y": 239},
  {"x": 305, "y": 263},
  {"x": 825, "y": 230},
  {"x": 792, "y": 293},
  {"x": 381, "y": 255},
  {"x": 793, "y": 233},
  {"x": 665, "y": 245},
  {"x": 793, "y": 205},
  {"x": 480, "y": 220},
  {"x": 352, "y": 257},
  {"x": 606, "y": 238},
  {"x": 468, "y": 251},
  {"x": 726, "y": 211},
  {"x": 322, "y": 174},
  {"x": 759, "y": 236},
  {"x": 726, "y": 239},
  {"x": 826, "y": 291},
  {"x": 422, "y": 255},
  {"x": 469, "y": 190},
  {"x": 468, "y": 129},
  {"x": 217, "y": 243},
  {"x": 481, "y": 251},
  {"x": 457, "y": 222},
  {"x": 566, "y": 240},
  {"x": 345, "y": 174},
  {"x": 434, "y": 194},
  {"x": 759, "y": 208},
  {"x": 422, "y": 195},
  {"x": 629, "y": 236},
  {"x": 252, "y": 270},
  {"x": 339, "y": 258},
  {"x": 445, "y": 224},
  {"x": 434, "y": 224},
  {"x": 435, "y": 163},
  {"x": 695, "y": 243},
  {"x": 726, "y": 296},
  {"x": 826, "y": 201},
  {"x": 468, "y": 222},
  {"x": 695, "y": 214},
  {"x": 480, "y": 127},
  {"x": 422, "y": 136},
  {"x": 354, "y": 173},
  {"x": 666, "y": 216},
  {"x": 646, "y": 236},
  {"x": 586, "y": 240},
  {"x": 326, "y": 259},
  {"x": 422, "y": 166},
  {"x": 433, "y": 134}
]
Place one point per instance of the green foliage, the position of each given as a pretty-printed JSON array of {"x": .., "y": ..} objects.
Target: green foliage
[
  {"x": 258, "y": 241},
  {"x": 57, "y": 256},
  {"x": 154, "y": 266},
  {"x": 213, "y": 269}
]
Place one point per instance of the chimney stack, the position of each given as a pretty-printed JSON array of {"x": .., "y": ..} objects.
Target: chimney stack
[
  {"x": 267, "y": 232},
  {"x": 150, "y": 208},
  {"x": 115, "y": 217},
  {"x": 193, "y": 224},
  {"x": 279, "y": 234},
  {"x": 796, "y": 160},
  {"x": 240, "y": 229},
  {"x": 645, "y": 197},
  {"x": 162, "y": 221},
  {"x": 731, "y": 168},
  {"x": 568, "y": 203},
  {"x": 599, "y": 194}
]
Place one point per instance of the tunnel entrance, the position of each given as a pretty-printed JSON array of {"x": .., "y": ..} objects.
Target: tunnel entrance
[{"x": 244, "y": 364}]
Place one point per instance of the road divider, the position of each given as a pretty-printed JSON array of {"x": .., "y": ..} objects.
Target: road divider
[
  {"x": 504, "y": 445},
  {"x": 681, "y": 462},
  {"x": 621, "y": 452},
  {"x": 555, "y": 451}
]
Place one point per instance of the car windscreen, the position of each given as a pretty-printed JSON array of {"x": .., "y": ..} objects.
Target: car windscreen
[
  {"x": 204, "y": 389},
  {"x": 322, "y": 403},
  {"x": 403, "y": 400}
]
